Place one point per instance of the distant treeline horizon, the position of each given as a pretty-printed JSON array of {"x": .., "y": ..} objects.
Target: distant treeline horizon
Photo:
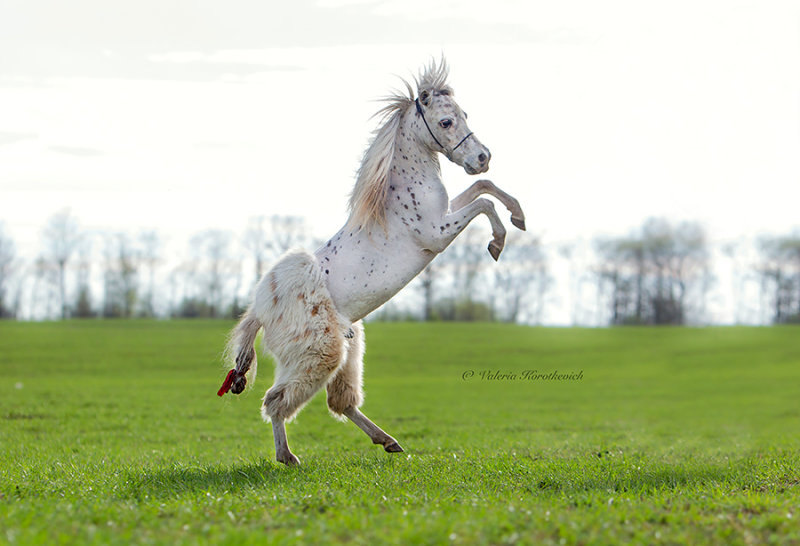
[{"x": 662, "y": 273}]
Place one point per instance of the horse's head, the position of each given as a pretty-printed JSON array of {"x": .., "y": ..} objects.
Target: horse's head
[{"x": 443, "y": 127}]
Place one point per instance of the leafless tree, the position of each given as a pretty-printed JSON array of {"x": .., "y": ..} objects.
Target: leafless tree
[
  {"x": 286, "y": 232},
  {"x": 460, "y": 266},
  {"x": 150, "y": 255},
  {"x": 45, "y": 287},
  {"x": 746, "y": 297},
  {"x": 652, "y": 272},
  {"x": 237, "y": 308},
  {"x": 265, "y": 239},
  {"x": 624, "y": 267},
  {"x": 779, "y": 269},
  {"x": 731, "y": 251},
  {"x": 7, "y": 259},
  {"x": 256, "y": 241},
  {"x": 217, "y": 268},
  {"x": 467, "y": 258},
  {"x": 83, "y": 300},
  {"x": 121, "y": 276},
  {"x": 567, "y": 251},
  {"x": 680, "y": 256},
  {"x": 61, "y": 236},
  {"x": 184, "y": 291},
  {"x": 464, "y": 284},
  {"x": 216, "y": 245},
  {"x": 426, "y": 284},
  {"x": 521, "y": 279}
]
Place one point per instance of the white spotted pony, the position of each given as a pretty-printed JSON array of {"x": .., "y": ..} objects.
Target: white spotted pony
[{"x": 310, "y": 306}]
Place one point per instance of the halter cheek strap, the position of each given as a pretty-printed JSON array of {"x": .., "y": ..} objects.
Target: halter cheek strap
[{"x": 436, "y": 140}]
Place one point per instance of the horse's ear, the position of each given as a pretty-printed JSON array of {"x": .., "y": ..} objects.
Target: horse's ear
[{"x": 425, "y": 97}]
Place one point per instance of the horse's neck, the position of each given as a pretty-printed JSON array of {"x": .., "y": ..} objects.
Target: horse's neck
[
  {"x": 415, "y": 191},
  {"x": 413, "y": 162}
]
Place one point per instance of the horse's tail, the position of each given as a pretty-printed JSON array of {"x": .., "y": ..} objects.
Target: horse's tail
[{"x": 241, "y": 353}]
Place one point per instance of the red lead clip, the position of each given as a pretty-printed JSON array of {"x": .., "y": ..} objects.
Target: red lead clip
[{"x": 226, "y": 385}]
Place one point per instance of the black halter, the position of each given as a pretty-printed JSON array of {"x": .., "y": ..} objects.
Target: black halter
[{"x": 436, "y": 140}]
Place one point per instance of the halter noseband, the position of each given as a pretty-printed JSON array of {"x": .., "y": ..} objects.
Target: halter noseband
[{"x": 436, "y": 140}]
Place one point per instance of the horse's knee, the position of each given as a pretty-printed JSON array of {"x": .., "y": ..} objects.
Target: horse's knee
[
  {"x": 274, "y": 407},
  {"x": 288, "y": 396},
  {"x": 342, "y": 395},
  {"x": 283, "y": 401},
  {"x": 344, "y": 389}
]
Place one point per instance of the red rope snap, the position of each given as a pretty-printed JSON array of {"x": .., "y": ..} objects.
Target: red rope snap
[{"x": 226, "y": 385}]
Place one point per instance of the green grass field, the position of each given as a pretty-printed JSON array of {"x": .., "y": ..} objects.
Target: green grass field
[{"x": 111, "y": 432}]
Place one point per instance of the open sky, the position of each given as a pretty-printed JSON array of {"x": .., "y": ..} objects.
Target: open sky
[{"x": 180, "y": 116}]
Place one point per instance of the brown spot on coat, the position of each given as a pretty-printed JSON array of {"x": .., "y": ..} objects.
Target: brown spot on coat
[{"x": 273, "y": 282}]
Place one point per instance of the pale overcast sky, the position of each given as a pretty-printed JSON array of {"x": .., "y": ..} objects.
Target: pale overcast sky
[{"x": 181, "y": 116}]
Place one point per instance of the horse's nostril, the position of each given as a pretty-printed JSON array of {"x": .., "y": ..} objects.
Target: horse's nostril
[{"x": 482, "y": 158}]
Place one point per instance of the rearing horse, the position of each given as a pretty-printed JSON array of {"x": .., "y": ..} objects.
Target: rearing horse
[{"x": 310, "y": 306}]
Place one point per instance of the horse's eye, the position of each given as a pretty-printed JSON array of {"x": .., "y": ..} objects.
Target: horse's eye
[{"x": 446, "y": 123}]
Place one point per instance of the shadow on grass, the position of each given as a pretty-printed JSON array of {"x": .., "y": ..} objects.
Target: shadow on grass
[
  {"x": 470, "y": 477},
  {"x": 262, "y": 474},
  {"x": 178, "y": 480}
]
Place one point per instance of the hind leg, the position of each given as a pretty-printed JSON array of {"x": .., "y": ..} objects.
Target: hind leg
[
  {"x": 294, "y": 386},
  {"x": 376, "y": 434},
  {"x": 282, "y": 402},
  {"x": 282, "y": 452},
  {"x": 345, "y": 394}
]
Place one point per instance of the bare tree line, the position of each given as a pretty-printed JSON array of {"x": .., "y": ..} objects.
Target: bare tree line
[
  {"x": 661, "y": 273},
  {"x": 652, "y": 276},
  {"x": 779, "y": 271}
]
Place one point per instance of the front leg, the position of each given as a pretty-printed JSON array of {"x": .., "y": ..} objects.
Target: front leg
[
  {"x": 440, "y": 236},
  {"x": 488, "y": 187}
]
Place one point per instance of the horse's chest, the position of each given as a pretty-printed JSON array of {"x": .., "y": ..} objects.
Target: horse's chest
[{"x": 417, "y": 203}]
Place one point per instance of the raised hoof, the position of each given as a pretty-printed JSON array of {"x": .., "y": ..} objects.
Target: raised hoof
[
  {"x": 495, "y": 250},
  {"x": 519, "y": 223},
  {"x": 238, "y": 385},
  {"x": 288, "y": 460},
  {"x": 394, "y": 447}
]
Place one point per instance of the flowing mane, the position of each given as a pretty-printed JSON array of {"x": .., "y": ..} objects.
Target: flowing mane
[{"x": 368, "y": 198}]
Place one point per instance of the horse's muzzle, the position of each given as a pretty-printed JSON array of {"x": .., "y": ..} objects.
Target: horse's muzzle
[{"x": 480, "y": 165}]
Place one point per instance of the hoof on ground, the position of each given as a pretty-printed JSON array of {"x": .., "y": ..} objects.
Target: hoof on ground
[
  {"x": 394, "y": 447},
  {"x": 288, "y": 460}
]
